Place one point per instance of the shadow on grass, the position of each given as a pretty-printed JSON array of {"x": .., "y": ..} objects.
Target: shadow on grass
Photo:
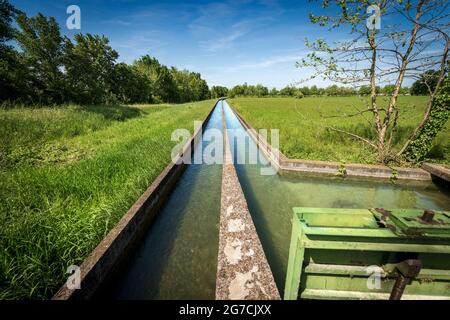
[{"x": 114, "y": 112}]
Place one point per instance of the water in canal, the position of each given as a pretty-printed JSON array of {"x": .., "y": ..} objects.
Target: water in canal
[{"x": 178, "y": 257}]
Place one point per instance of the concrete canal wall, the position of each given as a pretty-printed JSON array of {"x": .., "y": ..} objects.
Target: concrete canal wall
[
  {"x": 111, "y": 253},
  {"x": 285, "y": 165},
  {"x": 243, "y": 272},
  {"x": 440, "y": 171}
]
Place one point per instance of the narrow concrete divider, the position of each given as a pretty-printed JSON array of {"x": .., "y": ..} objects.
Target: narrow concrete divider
[
  {"x": 328, "y": 168},
  {"x": 111, "y": 253},
  {"x": 243, "y": 272}
]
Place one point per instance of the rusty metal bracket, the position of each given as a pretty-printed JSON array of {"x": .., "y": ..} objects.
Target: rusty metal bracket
[{"x": 407, "y": 271}]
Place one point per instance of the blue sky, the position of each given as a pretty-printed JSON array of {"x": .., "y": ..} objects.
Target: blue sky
[{"x": 228, "y": 42}]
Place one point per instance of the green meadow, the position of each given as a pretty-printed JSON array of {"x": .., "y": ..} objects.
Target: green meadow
[
  {"x": 303, "y": 126},
  {"x": 67, "y": 175}
]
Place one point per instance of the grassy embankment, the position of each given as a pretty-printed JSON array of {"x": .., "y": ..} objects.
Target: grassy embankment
[
  {"x": 67, "y": 175},
  {"x": 302, "y": 125}
]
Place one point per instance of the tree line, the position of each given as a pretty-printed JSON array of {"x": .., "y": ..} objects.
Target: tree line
[
  {"x": 40, "y": 66},
  {"x": 300, "y": 92},
  {"x": 420, "y": 87}
]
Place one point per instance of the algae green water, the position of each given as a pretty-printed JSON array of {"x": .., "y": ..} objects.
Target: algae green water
[
  {"x": 271, "y": 198},
  {"x": 177, "y": 259}
]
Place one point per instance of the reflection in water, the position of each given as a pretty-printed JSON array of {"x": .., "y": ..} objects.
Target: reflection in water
[{"x": 271, "y": 199}]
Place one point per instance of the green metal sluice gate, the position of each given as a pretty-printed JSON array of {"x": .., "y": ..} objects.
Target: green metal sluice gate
[{"x": 369, "y": 254}]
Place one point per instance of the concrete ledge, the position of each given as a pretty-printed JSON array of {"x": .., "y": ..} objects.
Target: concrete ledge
[
  {"x": 440, "y": 171},
  {"x": 118, "y": 244},
  {"x": 312, "y": 167},
  {"x": 243, "y": 272}
]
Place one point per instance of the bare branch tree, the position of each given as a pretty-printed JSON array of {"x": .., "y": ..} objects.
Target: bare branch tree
[{"x": 412, "y": 40}]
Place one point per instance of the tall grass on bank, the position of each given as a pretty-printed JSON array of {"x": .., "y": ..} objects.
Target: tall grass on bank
[
  {"x": 67, "y": 175},
  {"x": 303, "y": 133}
]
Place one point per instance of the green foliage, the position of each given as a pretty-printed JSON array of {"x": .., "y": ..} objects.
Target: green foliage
[
  {"x": 342, "y": 171},
  {"x": 7, "y": 14},
  {"x": 425, "y": 84},
  {"x": 13, "y": 75},
  {"x": 218, "y": 92},
  {"x": 288, "y": 91},
  {"x": 299, "y": 92},
  {"x": 189, "y": 85},
  {"x": 72, "y": 173},
  {"x": 421, "y": 146},
  {"x": 388, "y": 90},
  {"x": 249, "y": 90},
  {"x": 130, "y": 86},
  {"x": 366, "y": 90},
  {"x": 41, "y": 43},
  {"x": 164, "y": 87},
  {"x": 89, "y": 65},
  {"x": 273, "y": 92},
  {"x": 171, "y": 85},
  {"x": 394, "y": 174},
  {"x": 53, "y": 70}
]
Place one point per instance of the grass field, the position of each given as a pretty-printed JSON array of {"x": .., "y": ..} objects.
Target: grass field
[
  {"x": 67, "y": 175},
  {"x": 302, "y": 125}
]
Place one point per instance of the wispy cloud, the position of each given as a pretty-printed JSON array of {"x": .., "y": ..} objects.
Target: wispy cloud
[
  {"x": 266, "y": 63},
  {"x": 219, "y": 25},
  {"x": 138, "y": 44},
  {"x": 237, "y": 31}
]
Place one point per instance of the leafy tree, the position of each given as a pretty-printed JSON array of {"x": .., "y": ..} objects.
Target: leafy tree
[
  {"x": 238, "y": 90},
  {"x": 130, "y": 86},
  {"x": 405, "y": 90},
  {"x": 41, "y": 43},
  {"x": 89, "y": 65},
  {"x": 364, "y": 90},
  {"x": 249, "y": 90},
  {"x": 52, "y": 70},
  {"x": 299, "y": 94},
  {"x": 274, "y": 92},
  {"x": 305, "y": 91},
  {"x": 11, "y": 71},
  {"x": 189, "y": 86},
  {"x": 218, "y": 92},
  {"x": 426, "y": 84},
  {"x": 314, "y": 91},
  {"x": 288, "y": 91},
  {"x": 163, "y": 86},
  {"x": 362, "y": 59},
  {"x": 388, "y": 89},
  {"x": 7, "y": 15},
  {"x": 332, "y": 90}
]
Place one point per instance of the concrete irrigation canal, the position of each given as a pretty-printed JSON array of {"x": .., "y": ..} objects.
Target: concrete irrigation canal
[{"x": 224, "y": 231}]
